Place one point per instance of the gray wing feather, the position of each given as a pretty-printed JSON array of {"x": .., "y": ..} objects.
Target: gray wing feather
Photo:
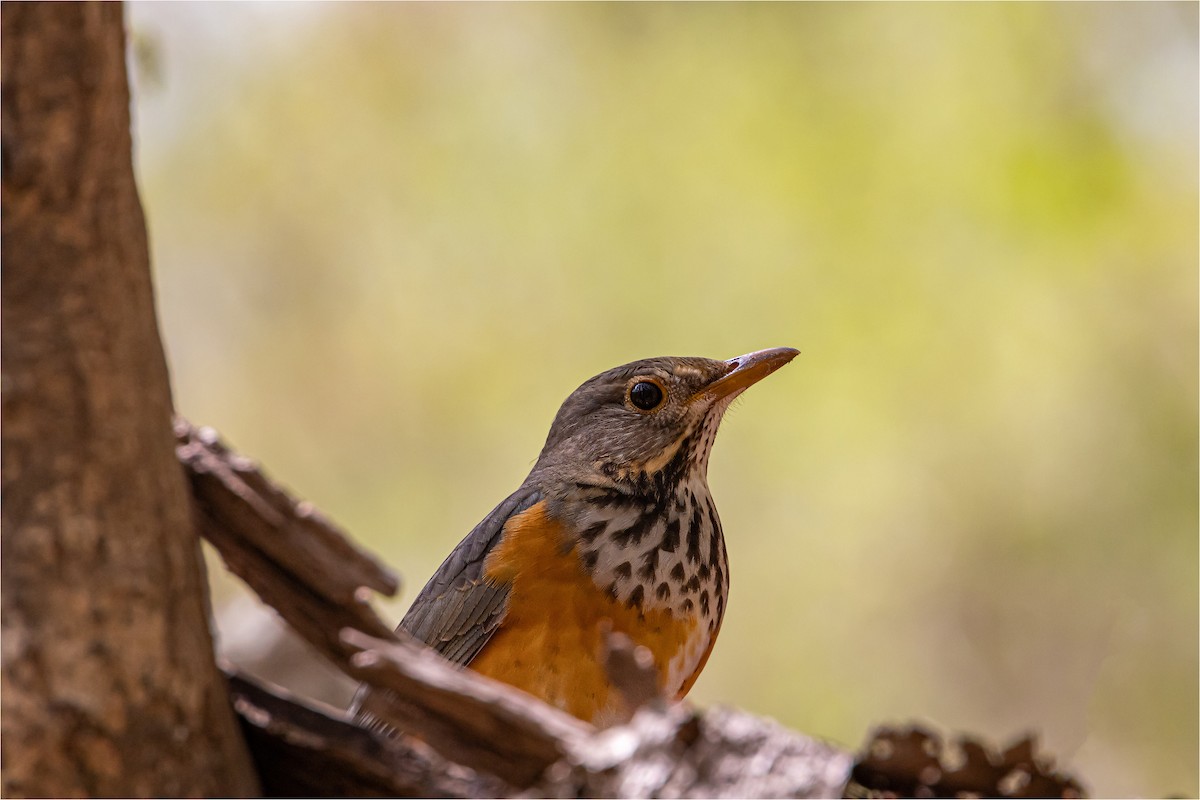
[{"x": 459, "y": 609}]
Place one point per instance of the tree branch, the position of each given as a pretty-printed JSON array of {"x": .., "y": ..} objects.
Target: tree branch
[
  {"x": 295, "y": 559},
  {"x": 463, "y": 715},
  {"x": 304, "y": 750}
]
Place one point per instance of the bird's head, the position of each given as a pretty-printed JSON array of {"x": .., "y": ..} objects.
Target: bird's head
[{"x": 649, "y": 423}]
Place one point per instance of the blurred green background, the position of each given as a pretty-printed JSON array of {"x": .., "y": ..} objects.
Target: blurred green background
[{"x": 390, "y": 239}]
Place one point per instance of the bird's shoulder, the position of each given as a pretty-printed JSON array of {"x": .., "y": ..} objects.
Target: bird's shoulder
[{"x": 461, "y": 605}]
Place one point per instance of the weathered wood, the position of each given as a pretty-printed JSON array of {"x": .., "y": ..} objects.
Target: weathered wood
[
  {"x": 303, "y": 749},
  {"x": 463, "y": 715},
  {"x": 682, "y": 752},
  {"x": 917, "y": 762},
  {"x": 296, "y": 560},
  {"x": 295, "y": 536},
  {"x": 665, "y": 751}
]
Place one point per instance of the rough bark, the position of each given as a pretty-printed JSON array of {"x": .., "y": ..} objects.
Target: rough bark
[
  {"x": 466, "y": 717},
  {"x": 303, "y": 749},
  {"x": 919, "y": 762},
  {"x": 295, "y": 559},
  {"x": 109, "y": 683}
]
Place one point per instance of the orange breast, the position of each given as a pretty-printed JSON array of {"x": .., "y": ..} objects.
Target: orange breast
[{"x": 549, "y": 643}]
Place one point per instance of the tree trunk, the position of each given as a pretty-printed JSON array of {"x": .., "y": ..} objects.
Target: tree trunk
[{"x": 109, "y": 682}]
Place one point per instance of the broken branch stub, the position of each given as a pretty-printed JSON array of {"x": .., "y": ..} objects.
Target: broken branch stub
[
  {"x": 297, "y": 561},
  {"x": 463, "y": 715},
  {"x": 304, "y": 749}
]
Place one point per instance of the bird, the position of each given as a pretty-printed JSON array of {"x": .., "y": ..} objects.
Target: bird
[{"x": 614, "y": 529}]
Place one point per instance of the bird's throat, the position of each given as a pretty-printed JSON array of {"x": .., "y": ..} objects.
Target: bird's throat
[{"x": 659, "y": 546}]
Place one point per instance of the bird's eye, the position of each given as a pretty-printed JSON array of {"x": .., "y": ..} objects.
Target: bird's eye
[{"x": 646, "y": 395}]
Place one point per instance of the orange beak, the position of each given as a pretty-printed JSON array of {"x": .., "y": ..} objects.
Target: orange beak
[{"x": 745, "y": 371}]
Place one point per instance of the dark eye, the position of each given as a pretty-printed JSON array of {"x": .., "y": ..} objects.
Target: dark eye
[{"x": 646, "y": 395}]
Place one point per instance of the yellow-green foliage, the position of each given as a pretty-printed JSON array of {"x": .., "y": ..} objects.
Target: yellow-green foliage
[{"x": 390, "y": 239}]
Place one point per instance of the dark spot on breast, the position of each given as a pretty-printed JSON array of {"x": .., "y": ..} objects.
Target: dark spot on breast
[
  {"x": 611, "y": 591},
  {"x": 635, "y": 597},
  {"x": 677, "y": 573},
  {"x": 693, "y": 536},
  {"x": 704, "y": 572},
  {"x": 704, "y": 601},
  {"x": 623, "y": 570},
  {"x": 671, "y": 535},
  {"x": 589, "y": 560},
  {"x": 693, "y": 585},
  {"x": 716, "y": 544},
  {"x": 636, "y": 530},
  {"x": 649, "y": 564},
  {"x": 687, "y": 605},
  {"x": 663, "y": 591}
]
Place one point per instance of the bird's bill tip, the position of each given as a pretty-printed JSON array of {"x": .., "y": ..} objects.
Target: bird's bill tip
[{"x": 747, "y": 370}]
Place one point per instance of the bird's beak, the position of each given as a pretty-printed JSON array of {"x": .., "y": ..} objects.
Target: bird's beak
[{"x": 745, "y": 371}]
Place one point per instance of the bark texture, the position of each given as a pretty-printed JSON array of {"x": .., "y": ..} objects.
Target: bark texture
[
  {"x": 310, "y": 750},
  {"x": 295, "y": 559},
  {"x": 109, "y": 683}
]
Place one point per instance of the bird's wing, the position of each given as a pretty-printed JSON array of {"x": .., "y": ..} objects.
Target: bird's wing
[{"x": 459, "y": 609}]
